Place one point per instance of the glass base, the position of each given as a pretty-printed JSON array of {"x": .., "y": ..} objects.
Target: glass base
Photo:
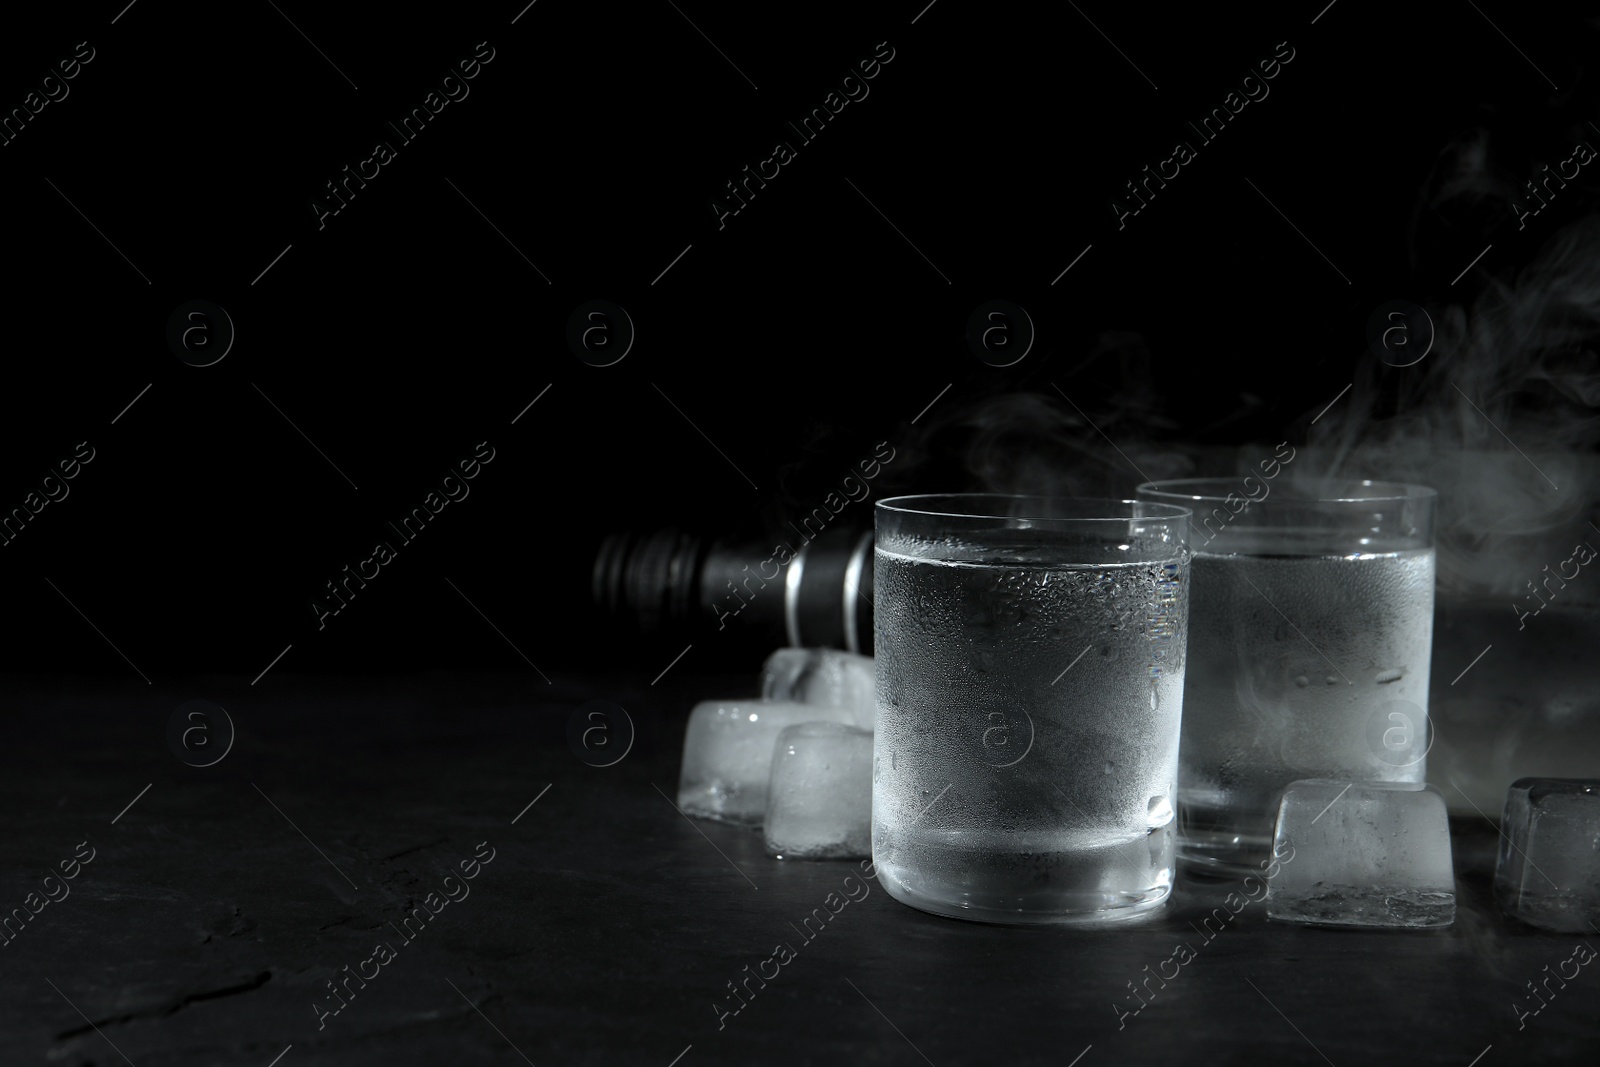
[
  {"x": 1222, "y": 855},
  {"x": 1027, "y": 877},
  {"x": 1221, "y": 842},
  {"x": 1078, "y": 909}
]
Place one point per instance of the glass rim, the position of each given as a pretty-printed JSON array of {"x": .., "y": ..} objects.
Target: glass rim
[
  {"x": 1231, "y": 484},
  {"x": 906, "y": 505}
]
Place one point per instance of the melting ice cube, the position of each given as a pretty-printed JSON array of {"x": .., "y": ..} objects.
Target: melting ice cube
[
  {"x": 819, "y": 805},
  {"x": 825, "y": 677},
  {"x": 1363, "y": 854},
  {"x": 1548, "y": 871},
  {"x": 727, "y": 755}
]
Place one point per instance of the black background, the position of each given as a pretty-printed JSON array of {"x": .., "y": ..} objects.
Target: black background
[{"x": 796, "y": 337}]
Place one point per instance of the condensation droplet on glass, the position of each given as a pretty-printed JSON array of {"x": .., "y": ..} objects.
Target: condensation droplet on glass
[
  {"x": 1160, "y": 812},
  {"x": 1110, "y": 766},
  {"x": 1331, "y": 680},
  {"x": 1302, "y": 681}
]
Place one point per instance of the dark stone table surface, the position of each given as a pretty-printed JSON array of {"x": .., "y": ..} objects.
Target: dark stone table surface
[{"x": 605, "y": 927}]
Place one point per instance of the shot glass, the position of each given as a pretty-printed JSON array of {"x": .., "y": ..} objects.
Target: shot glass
[
  {"x": 1030, "y": 657},
  {"x": 1309, "y": 656}
]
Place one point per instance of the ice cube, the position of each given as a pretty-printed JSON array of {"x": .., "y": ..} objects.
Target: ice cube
[
  {"x": 727, "y": 755},
  {"x": 1548, "y": 872},
  {"x": 825, "y": 677},
  {"x": 819, "y": 805},
  {"x": 1363, "y": 854}
]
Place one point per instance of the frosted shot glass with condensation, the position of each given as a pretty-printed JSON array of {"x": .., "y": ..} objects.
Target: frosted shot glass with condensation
[
  {"x": 1030, "y": 662},
  {"x": 1309, "y": 651}
]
